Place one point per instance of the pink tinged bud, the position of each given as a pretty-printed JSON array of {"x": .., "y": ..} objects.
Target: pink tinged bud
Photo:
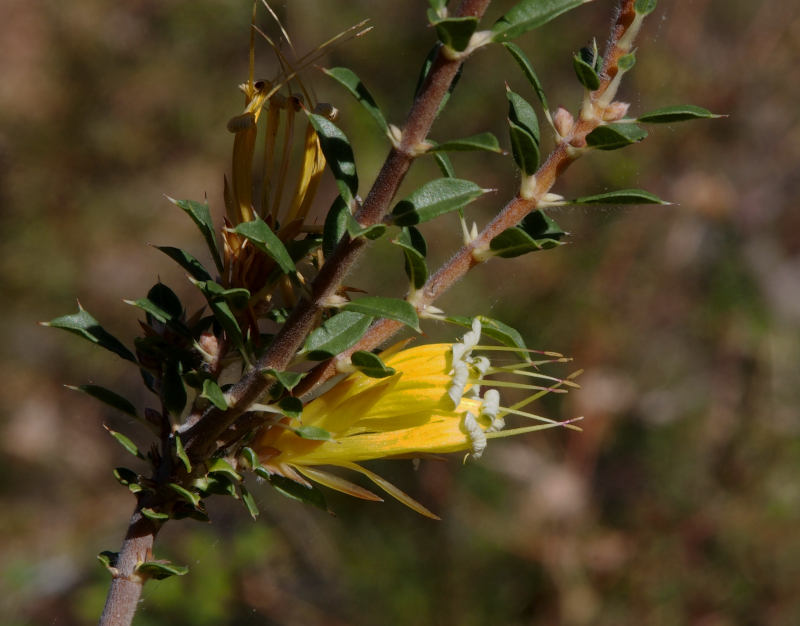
[
  {"x": 616, "y": 111},
  {"x": 563, "y": 121},
  {"x": 210, "y": 344}
]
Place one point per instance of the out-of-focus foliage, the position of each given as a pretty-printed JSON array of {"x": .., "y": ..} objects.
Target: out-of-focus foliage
[{"x": 679, "y": 503}]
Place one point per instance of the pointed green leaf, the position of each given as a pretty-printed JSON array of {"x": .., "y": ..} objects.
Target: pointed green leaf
[
  {"x": 213, "y": 393},
  {"x": 187, "y": 262},
  {"x": 353, "y": 84},
  {"x": 643, "y": 7},
  {"x": 481, "y": 141},
  {"x": 497, "y": 330},
  {"x": 524, "y": 133},
  {"x": 621, "y": 196},
  {"x": 84, "y": 325},
  {"x": 291, "y": 489},
  {"x": 173, "y": 390},
  {"x": 335, "y": 226},
  {"x": 529, "y": 14},
  {"x": 108, "y": 397},
  {"x": 536, "y": 232},
  {"x": 678, "y": 113},
  {"x": 391, "y": 308},
  {"x": 626, "y": 62},
  {"x": 222, "y": 467},
  {"x": 615, "y": 136},
  {"x": 414, "y": 249},
  {"x": 161, "y": 303},
  {"x": 291, "y": 407},
  {"x": 250, "y": 457},
  {"x": 126, "y": 476},
  {"x": 158, "y": 570},
  {"x": 201, "y": 216},
  {"x": 336, "y": 334},
  {"x": 585, "y": 72},
  {"x": 259, "y": 232},
  {"x": 125, "y": 442},
  {"x": 189, "y": 496},
  {"x": 527, "y": 69},
  {"x": 339, "y": 155},
  {"x": 539, "y": 225},
  {"x": 249, "y": 502},
  {"x": 108, "y": 560},
  {"x": 433, "y": 199},
  {"x": 287, "y": 380},
  {"x": 154, "y": 515},
  {"x": 180, "y": 451},
  {"x": 354, "y": 229},
  {"x": 370, "y": 364},
  {"x": 453, "y": 32}
]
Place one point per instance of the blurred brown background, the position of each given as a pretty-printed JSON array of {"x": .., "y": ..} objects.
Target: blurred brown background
[{"x": 680, "y": 501}]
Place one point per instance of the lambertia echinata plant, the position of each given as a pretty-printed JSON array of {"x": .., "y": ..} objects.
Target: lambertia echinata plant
[{"x": 284, "y": 372}]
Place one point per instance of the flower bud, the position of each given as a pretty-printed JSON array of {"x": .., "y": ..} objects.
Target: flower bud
[
  {"x": 563, "y": 121},
  {"x": 616, "y": 111}
]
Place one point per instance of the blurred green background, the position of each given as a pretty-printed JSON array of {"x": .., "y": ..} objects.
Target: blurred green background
[{"x": 679, "y": 503}]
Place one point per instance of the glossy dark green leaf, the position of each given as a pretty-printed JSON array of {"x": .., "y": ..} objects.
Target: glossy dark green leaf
[
  {"x": 615, "y": 136},
  {"x": 213, "y": 393},
  {"x": 524, "y": 133},
  {"x": 291, "y": 407},
  {"x": 108, "y": 397},
  {"x": 585, "y": 72},
  {"x": 414, "y": 249},
  {"x": 201, "y": 216},
  {"x": 336, "y": 334},
  {"x": 249, "y": 502},
  {"x": 391, "y": 308},
  {"x": 158, "y": 570},
  {"x": 643, "y": 7},
  {"x": 482, "y": 141},
  {"x": 161, "y": 304},
  {"x": 173, "y": 390},
  {"x": 370, "y": 364},
  {"x": 353, "y": 84},
  {"x": 433, "y": 199},
  {"x": 187, "y": 262},
  {"x": 84, "y": 325},
  {"x": 529, "y": 14},
  {"x": 678, "y": 113},
  {"x": 536, "y": 232},
  {"x": 527, "y": 69},
  {"x": 339, "y": 155},
  {"x": 621, "y": 196},
  {"x": 335, "y": 226},
  {"x": 125, "y": 442},
  {"x": 454, "y": 32},
  {"x": 539, "y": 224},
  {"x": 259, "y": 232}
]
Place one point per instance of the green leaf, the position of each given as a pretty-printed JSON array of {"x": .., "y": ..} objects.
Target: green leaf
[
  {"x": 524, "y": 133},
  {"x": 414, "y": 249},
  {"x": 335, "y": 226},
  {"x": 354, "y": 229},
  {"x": 187, "y": 262},
  {"x": 586, "y": 73},
  {"x": 440, "y": 6},
  {"x": 643, "y": 7},
  {"x": 84, "y": 325},
  {"x": 495, "y": 329},
  {"x": 433, "y": 199},
  {"x": 108, "y": 397},
  {"x": 161, "y": 304},
  {"x": 621, "y": 196},
  {"x": 108, "y": 560},
  {"x": 339, "y": 155},
  {"x": 453, "y": 32},
  {"x": 536, "y": 232},
  {"x": 250, "y": 457},
  {"x": 287, "y": 380},
  {"x": 222, "y": 467},
  {"x": 336, "y": 334},
  {"x": 353, "y": 84},
  {"x": 529, "y": 14},
  {"x": 445, "y": 165},
  {"x": 125, "y": 476},
  {"x": 249, "y": 502},
  {"x": 158, "y": 570},
  {"x": 213, "y": 393},
  {"x": 370, "y": 364},
  {"x": 291, "y": 407},
  {"x": 481, "y": 141},
  {"x": 125, "y": 442},
  {"x": 527, "y": 69},
  {"x": 391, "y": 308},
  {"x": 154, "y": 515},
  {"x": 190, "y": 496},
  {"x": 678, "y": 113},
  {"x": 201, "y": 216},
  {"x": 615, "y": 136},
  {"x": 296, "y": 491},
  {"x": 180, "y": 451},
  {"x": 314, "y": 433},
  {"x": 259, "y": 232},
  {"x": 173, "y": 390}
]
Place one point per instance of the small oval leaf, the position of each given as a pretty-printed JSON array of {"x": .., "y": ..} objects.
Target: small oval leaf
[
  {"x": 433, "y": 199},
  {"x": 259, "y": 232},
  {"x": 677, "y": 113},
  {"x": 615, "y": 136},
  {"x": 370, "y": 364},
  {"x": 391, "y": 308},
  {"x": 339, "y": 155},
  {"x": 621, "y": 196},
  {"x": 453, "y": 32},
  {"x": 530, "y": 14},
  {"x": 353, "y": 84},
  {"x": 201, "y": 216},
  {"x": 84, "y": 325},
  {"x": 336, "y": 334},
  {"x": 481, "y": 141}
]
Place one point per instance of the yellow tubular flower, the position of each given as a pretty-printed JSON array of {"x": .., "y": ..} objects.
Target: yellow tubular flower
[{"x": 431, "y": 405}]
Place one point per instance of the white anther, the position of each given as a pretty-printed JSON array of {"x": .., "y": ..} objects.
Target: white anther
[
  {"x": 490, "y": 408},
  {"x": 475, "y": 434},
  {"x": 460, "y": 377}
]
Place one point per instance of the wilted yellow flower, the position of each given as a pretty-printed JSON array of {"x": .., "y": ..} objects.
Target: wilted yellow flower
[{"x": 432, "y": 404}]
